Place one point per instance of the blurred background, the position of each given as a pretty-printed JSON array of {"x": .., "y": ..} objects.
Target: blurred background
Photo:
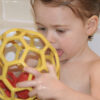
[
  {"x": 18, "y": 14},
  {"x": 15, "y": 14}
]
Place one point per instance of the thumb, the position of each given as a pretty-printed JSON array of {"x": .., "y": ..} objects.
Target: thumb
[{"x": 51, "y": 69}]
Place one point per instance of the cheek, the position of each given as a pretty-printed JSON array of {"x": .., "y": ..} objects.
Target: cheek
[
  {"x": 66, "y": 43},
  {"x": 73, "y": 43}
]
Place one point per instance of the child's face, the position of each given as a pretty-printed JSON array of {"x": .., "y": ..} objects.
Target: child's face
[{"x": 62, "y": 28}]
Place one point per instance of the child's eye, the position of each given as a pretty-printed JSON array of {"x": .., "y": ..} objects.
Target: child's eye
[
  {"x": 60, "y": 31},
  {"x": 42, "y": 29}
]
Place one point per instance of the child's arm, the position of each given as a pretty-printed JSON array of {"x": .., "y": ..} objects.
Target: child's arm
[{"x": 47, "y": 87}]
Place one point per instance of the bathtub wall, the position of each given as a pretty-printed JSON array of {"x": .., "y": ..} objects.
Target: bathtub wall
[
  {"x": 15, "y": 14},
  {"x": 18, "y": 14}
]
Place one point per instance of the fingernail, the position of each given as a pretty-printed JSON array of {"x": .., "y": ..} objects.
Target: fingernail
[
  {"x": 30, "y": 95},
  {"x": 25, "y": 68},
  {"x": 17, "y": 85},
  {"x": 48, "y": 63}
]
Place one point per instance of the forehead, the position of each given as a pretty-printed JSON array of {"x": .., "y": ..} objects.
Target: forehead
[
  {"x": 40, "y": 7},
  {"x": 51, "y": 14}
]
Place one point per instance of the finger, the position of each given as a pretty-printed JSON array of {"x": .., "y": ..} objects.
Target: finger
[
  {"x": 26, "y": 84},
  {"x": 51, "y": 69},
  {"x": 32, "y": 71},
  {"x": 33, "y": 93}
]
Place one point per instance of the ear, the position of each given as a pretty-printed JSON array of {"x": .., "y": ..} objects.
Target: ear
[{"x": 91, "y": 25}]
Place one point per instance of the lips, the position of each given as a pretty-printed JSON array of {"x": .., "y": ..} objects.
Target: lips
[{"x": 60, "y": 52}]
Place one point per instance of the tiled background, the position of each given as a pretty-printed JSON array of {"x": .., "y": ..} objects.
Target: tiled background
[
  {"x": 18, "y": 14},
  {"x": 15, "y": 13}
]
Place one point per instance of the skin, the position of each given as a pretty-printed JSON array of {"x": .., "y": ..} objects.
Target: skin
[{"x": 80, "y": 71}]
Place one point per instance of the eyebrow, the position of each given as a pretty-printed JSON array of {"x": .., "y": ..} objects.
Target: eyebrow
[{"x": 58, "y": 25}]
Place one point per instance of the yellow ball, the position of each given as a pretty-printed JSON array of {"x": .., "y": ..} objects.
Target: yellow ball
[{"x": 21, "y": 48}]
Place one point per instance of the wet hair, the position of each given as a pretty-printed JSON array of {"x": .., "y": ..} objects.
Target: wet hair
[{"x": 83, "y": 9}]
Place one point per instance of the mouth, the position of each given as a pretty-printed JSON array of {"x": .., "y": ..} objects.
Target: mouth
[{"x": 60, "y": 52}]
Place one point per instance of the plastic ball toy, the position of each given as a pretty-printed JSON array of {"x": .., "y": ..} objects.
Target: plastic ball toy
[{"x": 20, "y": 48}]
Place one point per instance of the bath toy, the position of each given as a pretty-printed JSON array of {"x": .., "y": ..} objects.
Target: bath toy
[{"x": 20, "y": 48}]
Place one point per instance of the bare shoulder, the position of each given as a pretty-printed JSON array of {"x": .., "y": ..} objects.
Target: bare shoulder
[
  {"x": 95, "y": 69},
  {"x": 95, "y": 78}
]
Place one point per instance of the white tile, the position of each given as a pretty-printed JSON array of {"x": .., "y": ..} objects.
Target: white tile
[{"x": 17, "y": 11}]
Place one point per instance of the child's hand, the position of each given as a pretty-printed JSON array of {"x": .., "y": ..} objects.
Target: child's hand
[{"x": 46, "y": 85}]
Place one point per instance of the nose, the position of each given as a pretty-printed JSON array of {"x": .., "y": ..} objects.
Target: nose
[{"x": 50, "y": 37}]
